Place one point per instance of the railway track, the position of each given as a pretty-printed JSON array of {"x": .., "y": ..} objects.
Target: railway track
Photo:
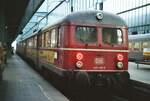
[
  {"x": 136, "y": 91},
  {"x": 141, "y": 91}
]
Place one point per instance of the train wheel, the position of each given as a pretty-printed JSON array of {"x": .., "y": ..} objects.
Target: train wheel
[
  {"x": 124, "y": 79},
  {"x": 82, "y": 80}
]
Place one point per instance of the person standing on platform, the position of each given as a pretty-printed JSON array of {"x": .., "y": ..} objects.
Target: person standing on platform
[
  {"x": 5, "y": 52},
  {"x": 2, "y": 61}
]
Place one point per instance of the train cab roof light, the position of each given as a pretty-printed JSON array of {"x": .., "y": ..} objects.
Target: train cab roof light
[
  {"x": 99, "y": 16},
  {"x": 120, "y": 57}
]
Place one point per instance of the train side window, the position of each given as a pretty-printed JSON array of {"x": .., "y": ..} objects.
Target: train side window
[
  {"x": 35, "y": 41},
  {"x": 53, "y": 38},
  {"x": 60, "y": 35},
  {"x": 112, "y": 36},
  {"x": 40, "y": 41},
  {"x": 43, "y": 40},
  {"x": 30, "y": 43},
  {"x": 27, "y": 43},
  {"x": 136, "y": 46},
  {"x": 47, "y": 39}
]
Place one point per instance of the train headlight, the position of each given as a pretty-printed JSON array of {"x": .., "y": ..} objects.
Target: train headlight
[
  {"x": 120, "y": 65},
  {"x": 79, "y": 56},
  {"x": 120, "y": 57},
  {"x": 79, "y": 64}
]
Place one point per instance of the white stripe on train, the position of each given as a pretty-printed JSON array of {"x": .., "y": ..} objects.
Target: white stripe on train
[{"x": 95, "y": 50}]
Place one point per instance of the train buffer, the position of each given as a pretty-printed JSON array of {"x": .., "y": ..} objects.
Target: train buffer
[{"x": 142, "y": 62}]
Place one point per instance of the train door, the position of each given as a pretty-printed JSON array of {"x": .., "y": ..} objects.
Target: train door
[
  {"x": 39, "y": 44},
  {"x": 60, "y": 44},
  {"x": 24, "y": 45}
]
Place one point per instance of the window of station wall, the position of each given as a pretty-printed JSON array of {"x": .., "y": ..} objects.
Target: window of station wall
[
  {"x": 137, "y": 46},
  {"x": 130, "y": 46},
  {"x": 86, "y": 34},
  {"x": 112, "y": 36},
  {"x": 144, "y": 45}
]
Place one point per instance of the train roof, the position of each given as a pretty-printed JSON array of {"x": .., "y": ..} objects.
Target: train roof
[
  {"x": 139, "y": 37},
  {"x": 90, "y": 17},
  {"x": 87, "y": 17}
]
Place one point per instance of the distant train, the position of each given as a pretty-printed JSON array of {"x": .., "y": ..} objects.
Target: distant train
[
  {"x": 139, "y": 46},
  {"x": 90, "y": 48}
]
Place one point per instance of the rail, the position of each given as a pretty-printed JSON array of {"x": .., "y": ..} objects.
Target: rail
[
  {"x": 142, "y": 62},
  {"x": 141, "y": 91},
  {"x": 135, "y": 91}
]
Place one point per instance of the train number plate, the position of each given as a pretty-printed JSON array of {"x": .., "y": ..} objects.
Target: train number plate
[{"x": 99, "y": 61}]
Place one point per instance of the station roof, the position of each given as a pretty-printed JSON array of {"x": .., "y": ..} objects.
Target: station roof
[
  {"x": 139, "y": 37},
  {"x": 17, "y": 14}
]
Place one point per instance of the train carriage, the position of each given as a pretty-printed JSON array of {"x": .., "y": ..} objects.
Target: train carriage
[
  {"x": 89, "y": 47},
  {"x": 139, "y": 46}
]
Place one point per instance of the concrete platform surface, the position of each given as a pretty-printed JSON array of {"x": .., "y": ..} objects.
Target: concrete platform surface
[
  {"x": 141, "y": 74},
  {"x": 22, "y": 83}
]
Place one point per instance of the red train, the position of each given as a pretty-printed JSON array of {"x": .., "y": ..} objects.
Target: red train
[{"x": 89, "y": 47}]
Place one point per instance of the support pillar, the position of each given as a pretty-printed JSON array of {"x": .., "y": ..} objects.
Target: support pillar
[{"x": 2, "y": 23}]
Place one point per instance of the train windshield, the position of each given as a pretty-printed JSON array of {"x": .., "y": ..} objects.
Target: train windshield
[
  {"x": 112, "y": 36},
  {"x": 86, "y": 34}
]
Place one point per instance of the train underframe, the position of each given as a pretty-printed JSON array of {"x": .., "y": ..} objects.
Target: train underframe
[
  {"x": 84, "y": 79},
  {"x": 100, "y": 79}
]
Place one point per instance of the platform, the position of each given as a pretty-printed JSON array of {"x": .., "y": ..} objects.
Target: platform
[
  {"x": 141, "y": 74},
  {"x": 22, "y": 83}
]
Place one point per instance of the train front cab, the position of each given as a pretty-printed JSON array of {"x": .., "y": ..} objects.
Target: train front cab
[{"x": 97, "y": 54}]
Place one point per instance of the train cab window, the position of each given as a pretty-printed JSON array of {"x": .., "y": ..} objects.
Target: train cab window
[
  {"x": 112, "y": 36},
  {"x": 86, "y": 34}
]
